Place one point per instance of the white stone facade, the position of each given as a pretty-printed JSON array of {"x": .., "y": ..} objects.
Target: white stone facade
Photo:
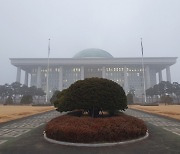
[
  {"x": 88, "y": 63},
  {"x": 64, "y": 71}
]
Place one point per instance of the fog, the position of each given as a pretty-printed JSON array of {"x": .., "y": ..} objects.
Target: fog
[{"x": 73, "y": 25}]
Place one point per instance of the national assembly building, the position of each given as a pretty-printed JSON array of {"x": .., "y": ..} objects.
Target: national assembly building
[{"x": 89, "y": 63}]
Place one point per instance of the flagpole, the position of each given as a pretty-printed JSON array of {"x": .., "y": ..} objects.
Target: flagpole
[
  {"x": 47, "y": 79},
  {"x": 144, "y": 83}
]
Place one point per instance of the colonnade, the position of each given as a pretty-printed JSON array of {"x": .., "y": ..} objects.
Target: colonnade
[
  {"x": 168, "y": 74},
  {"x": 18, "y": 76},
  {"x": 147, "y": 76}
]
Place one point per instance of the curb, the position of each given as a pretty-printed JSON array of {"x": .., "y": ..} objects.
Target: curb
[{"x": 95, "y": 144}]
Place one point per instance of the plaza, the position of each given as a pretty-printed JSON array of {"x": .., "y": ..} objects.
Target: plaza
[{"x": 26, "y": 136}]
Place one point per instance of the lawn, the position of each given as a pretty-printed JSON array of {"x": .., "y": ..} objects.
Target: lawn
[
  {"x": 172, "y": 111},
  {"x": 10, "y": 112}
]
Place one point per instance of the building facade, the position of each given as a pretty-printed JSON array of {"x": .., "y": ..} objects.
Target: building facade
[{"x": 88, "y": 63}]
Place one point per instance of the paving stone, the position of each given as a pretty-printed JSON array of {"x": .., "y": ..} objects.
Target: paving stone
[
  {"x": 166, "y": 124},
  {"x": 2, "y": 141},
  {"x": 23, "y": 125},
  {"x": 18, "y": 128},
  {"x": 12, "y": 132}
]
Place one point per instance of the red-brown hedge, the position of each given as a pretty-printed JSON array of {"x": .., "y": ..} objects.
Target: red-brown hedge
[{"x": 89, "y": 130}]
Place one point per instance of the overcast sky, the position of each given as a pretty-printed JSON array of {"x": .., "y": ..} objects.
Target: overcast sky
[{"x": 73, "y": 25}]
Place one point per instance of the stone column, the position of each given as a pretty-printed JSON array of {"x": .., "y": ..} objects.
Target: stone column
[
  {"x": 26, "y": 78},
  {"x": 82, "y": 72},
  {"x": 103, "y": 72},
  {"x": 160, "y": 76},
  {"x": 18, "y": 76},
  {"x": 61, "y": 78},
  {"x": 31, "y": 80},
  {"x": 168, "y": 73},
  {"x": 153, "y": 80},
  {"x": 147, "y": 77},
  {"x": 125, "y": 80},
  {"x": 39, "y": 77}
]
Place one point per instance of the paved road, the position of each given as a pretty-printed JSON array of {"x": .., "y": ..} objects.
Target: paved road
[
  {"x": 167, "y": 124},
  {"x": 19, "y": 127},
  {"x": 25, "y": 136}
]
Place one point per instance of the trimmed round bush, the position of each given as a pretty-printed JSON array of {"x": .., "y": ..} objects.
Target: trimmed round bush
[{"x": 92, "y": 95}]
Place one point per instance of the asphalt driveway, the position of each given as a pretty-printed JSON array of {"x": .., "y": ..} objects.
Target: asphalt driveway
[{"x": 160, "y": 141}]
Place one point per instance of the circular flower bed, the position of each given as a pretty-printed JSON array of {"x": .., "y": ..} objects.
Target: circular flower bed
[{"x": 95, "y": 130}]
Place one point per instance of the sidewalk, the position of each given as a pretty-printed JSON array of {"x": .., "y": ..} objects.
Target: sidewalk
[{"x": 167, "y": 123}]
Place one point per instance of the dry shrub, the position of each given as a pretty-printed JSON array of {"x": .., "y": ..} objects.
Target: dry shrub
[{"x": 89, "y": 130}]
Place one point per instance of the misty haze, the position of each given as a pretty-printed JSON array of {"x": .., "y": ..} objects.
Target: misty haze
[
  {"x": 115, "y": 26},
  {"x": 90, "y": 76}
]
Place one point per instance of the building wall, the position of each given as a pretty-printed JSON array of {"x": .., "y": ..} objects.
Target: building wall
[
  {"x": 152, "y": 77},
  {"x": 135, "y": 79},
  {"x": 72, "y": 74},
  {"x": 115, "y": 74},
  {"x": 62, "y": 76}
]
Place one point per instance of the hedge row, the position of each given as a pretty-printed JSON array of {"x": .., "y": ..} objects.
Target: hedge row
[{"x": 88, "y": 130}]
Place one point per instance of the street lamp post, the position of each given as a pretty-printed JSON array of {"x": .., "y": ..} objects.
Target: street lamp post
[
  {"x": 144, "y": 82},
  {"x": 47, "y": 77}
]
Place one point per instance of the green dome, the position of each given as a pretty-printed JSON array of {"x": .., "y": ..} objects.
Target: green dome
[{"x": 93, "y": 53}]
